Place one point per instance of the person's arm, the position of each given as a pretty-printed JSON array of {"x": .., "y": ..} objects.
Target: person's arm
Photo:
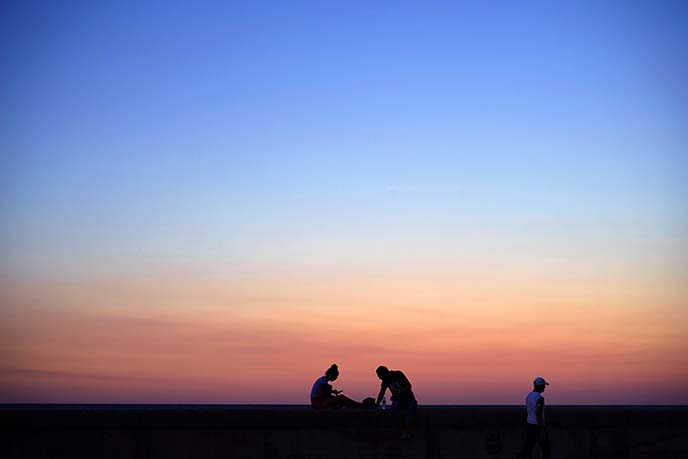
[
  {"x": 325, "y": 390},
  {"x": 540, "y": 405},
  {"x": 383, "y": 388}
]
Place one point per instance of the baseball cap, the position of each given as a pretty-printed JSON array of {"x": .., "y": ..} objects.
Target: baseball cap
[{"x": 540, "y": 381}]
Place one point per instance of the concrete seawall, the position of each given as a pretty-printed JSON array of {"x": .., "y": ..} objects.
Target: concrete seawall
[{"x": 294, "y": 432}]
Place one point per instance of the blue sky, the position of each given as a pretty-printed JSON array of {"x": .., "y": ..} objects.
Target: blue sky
[{"x": 132, "y": 128}]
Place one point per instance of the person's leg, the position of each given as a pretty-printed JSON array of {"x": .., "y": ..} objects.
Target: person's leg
[
  {"x": 411, "y": 413},
  {"x": 339, "y": 401},
  {"x": 529, "y": 443},
  {"x": 401, "y": 408},
  {"x": 342, "y": 401},
  {"x": 329, "y": 403},
  {"x": 317, "y": 403},
  {"x": 408, "y": 417},
  {"x": 544, "y": 444}
]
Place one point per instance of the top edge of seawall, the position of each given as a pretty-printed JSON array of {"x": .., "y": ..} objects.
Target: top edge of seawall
[{"x": 304, "y": 407}]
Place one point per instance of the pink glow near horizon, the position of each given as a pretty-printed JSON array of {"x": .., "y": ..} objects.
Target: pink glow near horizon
[{"x": 460, "y": 343}]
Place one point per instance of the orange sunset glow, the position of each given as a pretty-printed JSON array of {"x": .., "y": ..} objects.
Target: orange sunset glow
[{"x": 171, "y": 338}]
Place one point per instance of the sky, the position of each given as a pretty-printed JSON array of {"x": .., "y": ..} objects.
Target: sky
[{"x": 211, "y": 202}]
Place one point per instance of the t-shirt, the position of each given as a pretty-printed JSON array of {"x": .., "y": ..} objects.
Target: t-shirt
[
  {"x": 317, "y": 387},
  {"x": 398, "y": 385},
  {"x": 532, "y": 401}
]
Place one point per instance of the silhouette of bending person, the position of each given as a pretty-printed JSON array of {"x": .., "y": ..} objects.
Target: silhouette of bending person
[
  {"x": 536, "y": 432},
  {"x": 403, "y": 399},
  {"x": 323, "y": 397}
]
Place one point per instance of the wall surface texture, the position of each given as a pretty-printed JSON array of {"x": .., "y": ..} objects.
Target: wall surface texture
[{"x": 294, "y": 432}]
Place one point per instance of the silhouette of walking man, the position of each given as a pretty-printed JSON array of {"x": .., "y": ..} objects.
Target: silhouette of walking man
[{"x": 536, "y": 432}]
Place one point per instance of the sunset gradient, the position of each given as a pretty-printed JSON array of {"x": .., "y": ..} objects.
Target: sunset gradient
[{"x": 213, "y": 204}]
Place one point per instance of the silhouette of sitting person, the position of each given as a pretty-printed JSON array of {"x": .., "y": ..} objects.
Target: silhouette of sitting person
[
  {"x": 536, "y": 431},
  {"x": 324, "y": 397},
  {"x": 403, "y": 399}
]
